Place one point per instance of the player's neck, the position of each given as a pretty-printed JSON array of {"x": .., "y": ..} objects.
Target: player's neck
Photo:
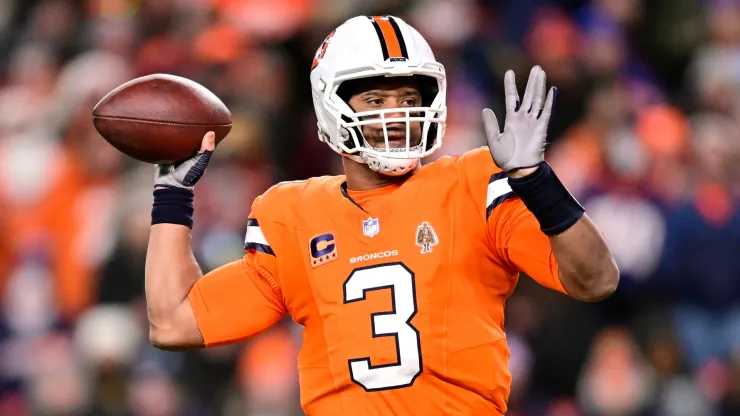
[{"x": 361, "y": 178}]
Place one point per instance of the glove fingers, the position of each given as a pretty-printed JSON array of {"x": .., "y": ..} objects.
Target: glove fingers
[
  {"x": 490, "y": 124},
  {"x": 531, "y": 87},
  {"x": 539, "y": 94},
  {"x": 512, "y": 96},
  {"x": 549, "y": 103}
]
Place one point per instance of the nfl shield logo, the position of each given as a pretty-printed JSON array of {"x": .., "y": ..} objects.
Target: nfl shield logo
[{"x": 371, "y": 227}]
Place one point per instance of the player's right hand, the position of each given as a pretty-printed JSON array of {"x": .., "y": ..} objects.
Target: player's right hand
[{"x": 186, "y": 174}]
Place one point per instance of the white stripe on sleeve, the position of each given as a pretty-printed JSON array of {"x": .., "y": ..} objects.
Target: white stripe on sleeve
[
  {"x": 496, "y": 189},
  {"x": 255, "y": 236}
]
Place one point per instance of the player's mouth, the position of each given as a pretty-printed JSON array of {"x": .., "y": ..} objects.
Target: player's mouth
[{"x": 396, "y": 136}]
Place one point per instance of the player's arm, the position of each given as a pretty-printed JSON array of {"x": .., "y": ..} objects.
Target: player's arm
[
  {"x": 171, "y": 271},
  {"x": 564, "y": 239},
  {"x": 586, "y": 266},
  {"x": 186, "y": 310},
  {"x": 575, "y": 261}
]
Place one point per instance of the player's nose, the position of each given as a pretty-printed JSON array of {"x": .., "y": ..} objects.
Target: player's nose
[{"x": 399, "y": 115}]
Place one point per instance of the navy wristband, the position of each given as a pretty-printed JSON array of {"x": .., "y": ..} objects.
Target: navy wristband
[
  {"x": 546, "y": 197},
  {"x": 173, "y": 205}
]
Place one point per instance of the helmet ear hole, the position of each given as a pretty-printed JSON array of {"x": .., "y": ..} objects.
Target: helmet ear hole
[{"x": 323, "y": 136}]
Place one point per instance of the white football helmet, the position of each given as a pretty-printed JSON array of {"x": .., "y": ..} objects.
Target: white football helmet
[{"x": 363, "y": 47}]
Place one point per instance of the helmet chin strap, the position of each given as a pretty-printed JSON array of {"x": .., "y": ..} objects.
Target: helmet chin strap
[
  {"x": 390, "y": 167},
  {"x": 385, "y": 165}
]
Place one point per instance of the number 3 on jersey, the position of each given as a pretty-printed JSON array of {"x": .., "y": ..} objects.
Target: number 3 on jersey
[{"x": 397, "y": 323}]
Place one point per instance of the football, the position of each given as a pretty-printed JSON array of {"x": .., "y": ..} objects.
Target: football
[{"x": 160, "y": 118}]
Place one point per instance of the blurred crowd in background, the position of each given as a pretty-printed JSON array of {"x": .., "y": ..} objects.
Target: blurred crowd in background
[{"x": 646, "y": 134}]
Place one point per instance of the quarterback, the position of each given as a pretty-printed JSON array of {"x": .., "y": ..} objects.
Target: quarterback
[{"x": 397, "y": 272}]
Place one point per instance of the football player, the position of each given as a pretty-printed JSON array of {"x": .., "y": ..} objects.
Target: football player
[{"x": 397, "y": 272}]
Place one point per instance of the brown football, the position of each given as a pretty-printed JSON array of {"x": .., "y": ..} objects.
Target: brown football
[{"x": 160, "y": 118}]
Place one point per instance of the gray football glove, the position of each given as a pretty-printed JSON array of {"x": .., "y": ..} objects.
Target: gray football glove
[
  {"x": 186, "y": 174},
  {"x": 522, "y": 143}
]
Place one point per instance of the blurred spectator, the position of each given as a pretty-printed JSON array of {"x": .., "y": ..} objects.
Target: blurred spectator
[
  {"x": 701, "y": 272},
  {"x": 616, "y": 380},
  {"x": 716, "y": 65}
]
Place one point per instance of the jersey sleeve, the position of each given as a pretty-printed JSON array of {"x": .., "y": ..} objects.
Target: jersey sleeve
[
  {"x": 234, "y": 302},
  {"x": 516, "y": 237},
  {"x": 242, "y": 298},
  {"x": 513, "y": 232}
]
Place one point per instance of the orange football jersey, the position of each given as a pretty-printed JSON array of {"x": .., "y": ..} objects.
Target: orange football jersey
[{"x": 400, "y": 290}]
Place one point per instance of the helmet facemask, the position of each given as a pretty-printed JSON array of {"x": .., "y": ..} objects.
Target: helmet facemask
[{"x": 408, "y": 133}]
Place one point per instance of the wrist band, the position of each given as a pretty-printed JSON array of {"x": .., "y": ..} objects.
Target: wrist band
[
  {"x": 546, "y": 197},
  {"x": 173, "y": 205}
]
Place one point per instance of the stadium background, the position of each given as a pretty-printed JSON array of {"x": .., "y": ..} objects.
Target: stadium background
[{"x": 645, "y": 134}]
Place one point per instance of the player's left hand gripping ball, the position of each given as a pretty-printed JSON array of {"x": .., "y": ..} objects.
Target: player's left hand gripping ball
[
  {"x": 522, "y": 143},
  {"x": 187, "y": 173}
]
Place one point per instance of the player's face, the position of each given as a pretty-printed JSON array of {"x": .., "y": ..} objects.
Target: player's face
[{"x": 387, "y": 93}]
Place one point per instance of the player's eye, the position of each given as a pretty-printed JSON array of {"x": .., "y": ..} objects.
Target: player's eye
[
  {"x": 409, "y": 102},
  {"x": 374, "y": 101}
]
